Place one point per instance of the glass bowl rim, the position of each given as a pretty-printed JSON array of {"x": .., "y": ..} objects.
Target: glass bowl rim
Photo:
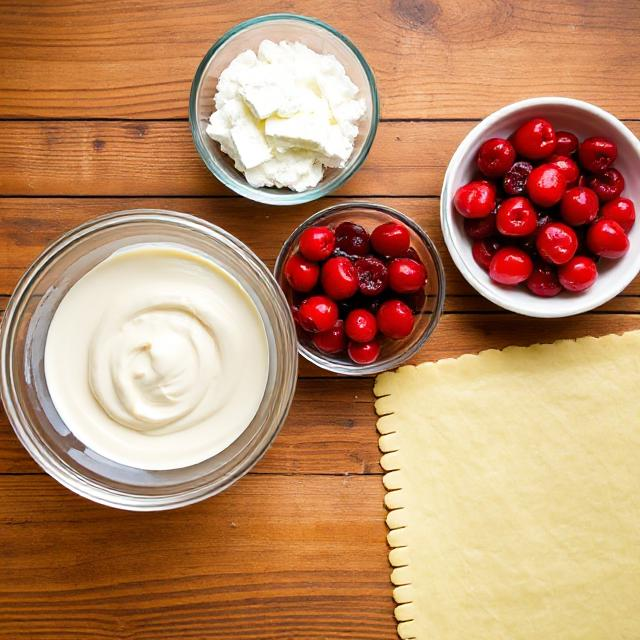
[
  {"x": 395, "y": 361},
  {"x": 54, "y": 466},
  {"x": 260, "y": 194}
]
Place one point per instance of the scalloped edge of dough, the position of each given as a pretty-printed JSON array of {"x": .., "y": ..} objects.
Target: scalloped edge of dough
[{"x": 390, "y": 461}]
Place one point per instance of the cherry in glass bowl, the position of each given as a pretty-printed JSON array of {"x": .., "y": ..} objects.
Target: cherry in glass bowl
[{"x": 427, "y": 314}]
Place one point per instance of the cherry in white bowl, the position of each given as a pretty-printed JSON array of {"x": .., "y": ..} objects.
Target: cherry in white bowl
[{"x": 580, "y": 294}]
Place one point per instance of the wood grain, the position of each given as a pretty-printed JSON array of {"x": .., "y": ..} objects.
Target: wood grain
[
  {"x": 87, "y": 158},
  {"x": 432, "y": 58},
  {"x": 83, "y": 158},
  {"x": 274, "y": 557},
  {"x": 29, "y": 224},
  {"x": 322, "y": 435}
]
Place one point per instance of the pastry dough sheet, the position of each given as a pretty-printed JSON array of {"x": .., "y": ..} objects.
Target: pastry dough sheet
[{"x": 513, "y": 482}]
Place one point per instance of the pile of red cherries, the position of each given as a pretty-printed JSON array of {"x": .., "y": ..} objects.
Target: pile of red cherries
[
  {"x": 546, "y": 209},
  {"x": 352, "y": 289}
]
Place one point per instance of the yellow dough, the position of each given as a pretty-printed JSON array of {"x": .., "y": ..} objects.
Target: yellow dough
[{"x": 513, "y": 482}]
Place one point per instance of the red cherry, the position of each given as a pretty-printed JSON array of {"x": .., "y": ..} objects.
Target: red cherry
[
  {"x": 607, "y": 185},
  {"x": 568, "y": 168},
  {"x": 515, "y": 180},
  {"x": 479, "y": 228},
  {"x": 301, "y": 274},
  {"x": 567, "y": 143},
  {"x": 597, "y": 154},
  {"x": 339, "y": 278},
  {"x": 483, "y": 250},
  {"x": 622, "y": 211},
  {"x": 544, "y": 282},
  {"x": 318, "y": 313},
  {"x": 331, "y": 341},
  {"x": 395, "y": 319},
  {"x": 510, "y": 266},
  {"x": 495, "y": 157},
  {"x": 606, "y": 238},
  {"x": 391, "y": 239},
  {"x": 579, "y": 206},
  {"x": 406, "y": 275},
  {"x": 557, "y": 243},
  {"x": 578, "y": 274},
  {"x": 516, "y": 217},
  {"x": 352, "y": 239},
  {"x": 373, "y": 275},
  {"x": 364, "y": 353},
  {"x": 546, "y": 184},
  {"x": 535, "y": 139},
  {"x": 361, "y": 325},
  {"x": 475, "y": 199},
  {"x": 317, "y": 243}
]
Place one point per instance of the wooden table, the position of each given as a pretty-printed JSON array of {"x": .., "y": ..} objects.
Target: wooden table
[{"x": 93, "y": 108}]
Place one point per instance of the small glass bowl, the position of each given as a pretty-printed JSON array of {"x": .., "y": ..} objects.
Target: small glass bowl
[
  {"x": 24, "y": 388},
  {"x": 318, "y": 36},
  {"x": 394, "y": 352}
]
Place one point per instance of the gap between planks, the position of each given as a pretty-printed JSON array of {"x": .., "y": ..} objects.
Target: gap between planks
[
  {"x": 183, "y": 119},
  {"x": 461, "y": 305}
]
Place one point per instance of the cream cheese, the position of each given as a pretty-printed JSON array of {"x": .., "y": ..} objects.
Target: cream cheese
[
  {"x": 284, "y": 114},
  {"x": 156, "y": 358}
]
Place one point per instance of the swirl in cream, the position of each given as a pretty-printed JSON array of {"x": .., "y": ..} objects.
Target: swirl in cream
[
  {"x": 156, "y": 358},
  {"x": 160, "y": 368}
]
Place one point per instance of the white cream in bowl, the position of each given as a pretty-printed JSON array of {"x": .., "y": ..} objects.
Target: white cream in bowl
[{"x": 156, "y": 358}]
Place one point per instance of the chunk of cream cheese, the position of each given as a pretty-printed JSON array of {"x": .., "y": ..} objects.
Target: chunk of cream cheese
[
  {"x": 156, "y": 358},
  {"x": 284, "y": 114}
]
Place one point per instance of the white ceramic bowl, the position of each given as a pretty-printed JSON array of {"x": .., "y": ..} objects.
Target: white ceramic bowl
[{"x": 584, "y": 120}]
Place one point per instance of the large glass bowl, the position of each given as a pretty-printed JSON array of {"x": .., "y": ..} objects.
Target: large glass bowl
[
  {"x": 24, "y": 388},
  {"x": 318, "y": 36},
  {"x": 393, "y": 352}
]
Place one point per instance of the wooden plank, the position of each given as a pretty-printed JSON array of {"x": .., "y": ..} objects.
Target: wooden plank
[
  {"x": 89, "y": 158},
  {"x": 331, "y": 428},
  {"x": 84, "y": 158},
  {"x": 29, "y": 224},
  {"x": 273, "y": 557},
  {"x": 476, "y": 303},
  {"x": 458, "y": 334},
  {"x": 432, "y": 58}
]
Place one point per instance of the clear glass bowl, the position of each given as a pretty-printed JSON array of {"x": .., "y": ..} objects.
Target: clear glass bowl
[
  {"x": 248, "y": 35},
  {"x": 394, "y": 352},
  {"x": 24, "y": 388}
]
